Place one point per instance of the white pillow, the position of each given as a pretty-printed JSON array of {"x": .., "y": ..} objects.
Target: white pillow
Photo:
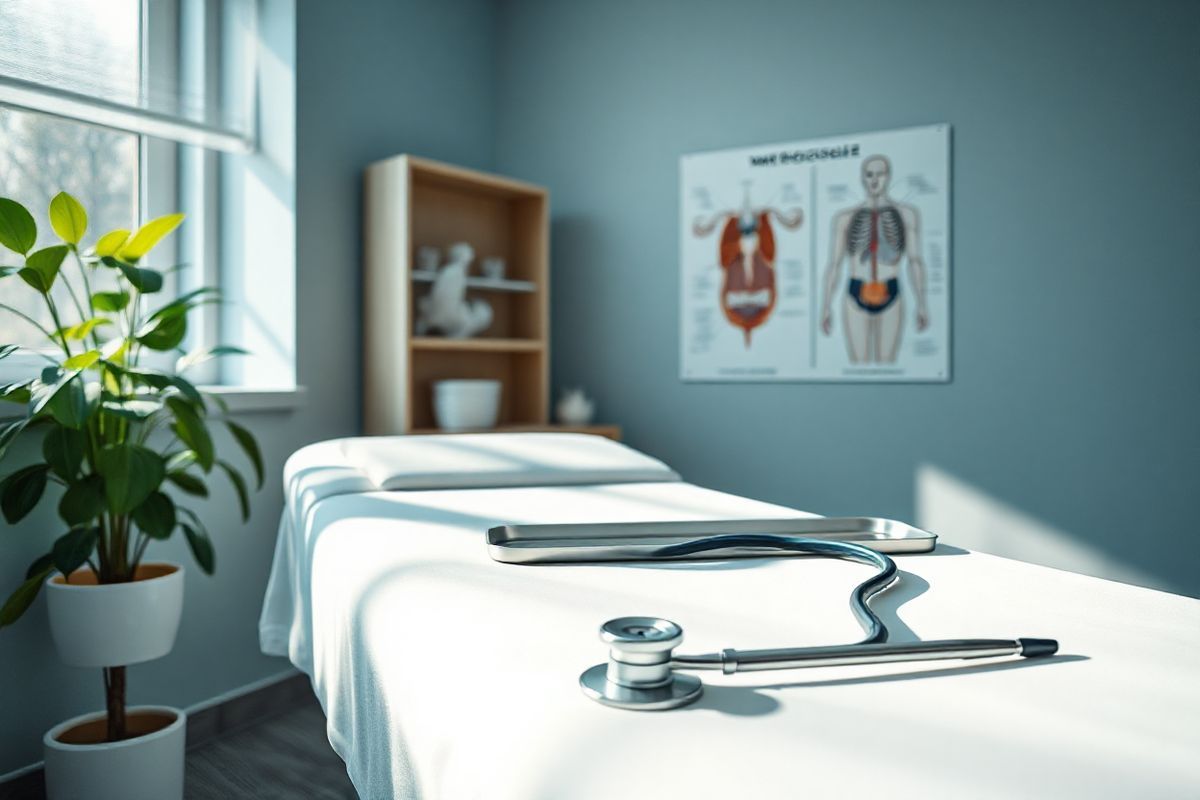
[{"x": 481, "y": 460}]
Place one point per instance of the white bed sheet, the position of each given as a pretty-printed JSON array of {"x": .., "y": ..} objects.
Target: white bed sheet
[{"x": 446, "y": 675}]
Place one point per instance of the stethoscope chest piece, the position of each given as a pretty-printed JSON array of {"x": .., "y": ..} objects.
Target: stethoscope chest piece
[{"x": 638, "y": 674}]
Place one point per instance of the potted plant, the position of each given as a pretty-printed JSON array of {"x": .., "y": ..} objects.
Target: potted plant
[{"x": 117, "y": 431}]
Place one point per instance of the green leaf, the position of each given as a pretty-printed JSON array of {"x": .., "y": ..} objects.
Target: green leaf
[
  {"x": 190, "y": 392},
  {"x": 34, "y": 278},
  {"x": 135, "y": 409},
  {"x": 49, "y": 383},
  {"x": 68, "y": 218},
  {"x": 249, "y": 446},
  {"x": 114, "y": 351},
  {"x": 82, "y": 360},
  {"x": 146, "y": 281},
  {"x": 161, "y": 380},
  {"x": 201, "y": 547},
  {"x": 6, "y": 271},
  {"x": 72, "y": 406},
  {"x": 83, "y": 501},
  {"x": 188, "y": 483},
  {"x": 110, "y": 301},
  {"x": 22, "y": 598},
  {"x": 8, "y": 349},
  {"x": 191, "y": 430},
  {"x": 15, "y": 392},
  {"x": 61, "y": 393},
  {"x": 220, "y": 401},
  {"x": 130, "y": 474},
  {"x": 73, "y": 548},
  {"x": 178, "y": 462},
  {"x": 41, "y": 268},
  {"x": 111, "y": 242},
  {"x": 18, "y": 231},
  {"x": 10, "y": 432},
  {"x": 84, "y": 329},
  {"x": 186, "y": 302},
  {"x": 43, "y": 565},
  {"x": 239, "y": 484},
  {"x": 148, "y": 236},
  {"x": 20, "y": 491},
  {"x": 206, "y": 353},
  {"x": 156, "y": 516},
  {"x": 63, "y": 448},
  {"x": 163, "y": 333}
]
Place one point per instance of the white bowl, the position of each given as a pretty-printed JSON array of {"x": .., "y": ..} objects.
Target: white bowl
[{"x": 466, "y": 404}]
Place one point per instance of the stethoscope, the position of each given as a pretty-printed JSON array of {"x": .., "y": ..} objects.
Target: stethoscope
[{"x": 641, "y": 670}]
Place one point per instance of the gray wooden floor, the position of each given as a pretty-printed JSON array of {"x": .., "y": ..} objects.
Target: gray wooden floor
[{"x": 286, "y": 756}]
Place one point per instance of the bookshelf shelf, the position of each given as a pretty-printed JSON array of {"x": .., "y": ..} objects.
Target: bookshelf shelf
[
  {"x": 478, "y": 345},
  {"x": 481, "y": 283}
]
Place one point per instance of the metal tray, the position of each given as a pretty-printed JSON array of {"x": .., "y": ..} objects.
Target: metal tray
[{"x": 635, "y": 541}]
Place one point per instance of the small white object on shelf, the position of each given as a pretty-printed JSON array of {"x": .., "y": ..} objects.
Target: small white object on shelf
[
  {"x": 574, "y": 408},
  {"x": 446, "y": 308},
  {"x": 466, "y": 404},
  {"x": 493, "y": 267},
  {"x": 428, "y": 258}
]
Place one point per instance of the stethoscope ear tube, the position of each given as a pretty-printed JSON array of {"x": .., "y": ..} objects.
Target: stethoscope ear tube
[{"x": 640, "y": 670}]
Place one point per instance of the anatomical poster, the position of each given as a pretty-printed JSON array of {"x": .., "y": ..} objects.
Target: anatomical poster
[{"x": 821, "y": 260}]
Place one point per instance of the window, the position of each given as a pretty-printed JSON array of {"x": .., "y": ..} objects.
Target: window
[
  {"x": 138, "y": 108},
  {"x": 41, "y": 155}
]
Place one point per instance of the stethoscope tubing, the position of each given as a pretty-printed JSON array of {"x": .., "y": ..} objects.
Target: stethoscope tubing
[
  {"x": 888, "y": 573},
  {"x": 872, "y": 648}
]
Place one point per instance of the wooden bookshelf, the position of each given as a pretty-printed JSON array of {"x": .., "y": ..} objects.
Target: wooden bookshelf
[{"x": 411, "y": 202}]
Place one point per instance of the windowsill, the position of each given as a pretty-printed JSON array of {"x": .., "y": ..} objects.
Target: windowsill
[
  {"x": 240, "y": 400},
  {"x": 243, "y": 400}
]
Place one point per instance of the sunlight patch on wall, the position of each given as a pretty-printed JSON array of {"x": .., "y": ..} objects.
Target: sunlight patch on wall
[{"x": 966, "y": 516}]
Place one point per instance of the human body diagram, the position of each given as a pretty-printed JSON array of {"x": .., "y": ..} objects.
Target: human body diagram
[
  {"x": 747, "y": 257},
  {"x": 875, "y": 236}
]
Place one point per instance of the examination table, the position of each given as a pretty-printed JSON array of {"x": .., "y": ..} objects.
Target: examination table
[{"x": 444, "y": 674}]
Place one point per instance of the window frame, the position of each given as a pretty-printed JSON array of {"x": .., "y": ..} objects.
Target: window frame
[{"x": 214, "y": 188}]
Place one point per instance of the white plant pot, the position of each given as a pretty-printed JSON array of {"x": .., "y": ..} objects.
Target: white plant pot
[
  {"x": 146, "y": 767},
  {"x": 115, "y": 624}
]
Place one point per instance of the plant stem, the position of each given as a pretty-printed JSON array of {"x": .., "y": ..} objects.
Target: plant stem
[
  {"x": 114, "y": 699},
  {"x": 83, "y": 317},
  {"x": 102, "y": 548},
  {"x": 134, "y": 302},
  {"x": 138, "y": 551},
  {"x": 57, "y": 324},
  {"x": 28, "y": 319},
  {"x": 87, "y": 287},
  {"x": 119, "y": 555}
]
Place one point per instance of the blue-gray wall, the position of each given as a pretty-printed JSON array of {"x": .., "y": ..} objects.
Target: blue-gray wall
[
  {"x": 1072, "y": 414},
  {"x": 373, "y": 79}
]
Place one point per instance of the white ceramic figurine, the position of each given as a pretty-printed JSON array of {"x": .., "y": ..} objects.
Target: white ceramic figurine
[
  {"x": 574, "y": 408},
  {"x": 445, "y": 308}
]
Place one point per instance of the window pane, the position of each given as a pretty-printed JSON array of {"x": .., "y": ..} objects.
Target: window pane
[
  {"x": 86, "y": 46},
  {"x": 41, "y": 156},
  {"x": 184, "y": 60}
]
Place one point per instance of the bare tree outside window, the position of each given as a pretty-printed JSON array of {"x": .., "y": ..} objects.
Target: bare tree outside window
[
  {"x": 82, "y": 45},
  {"x": 41, "y": 156}
]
